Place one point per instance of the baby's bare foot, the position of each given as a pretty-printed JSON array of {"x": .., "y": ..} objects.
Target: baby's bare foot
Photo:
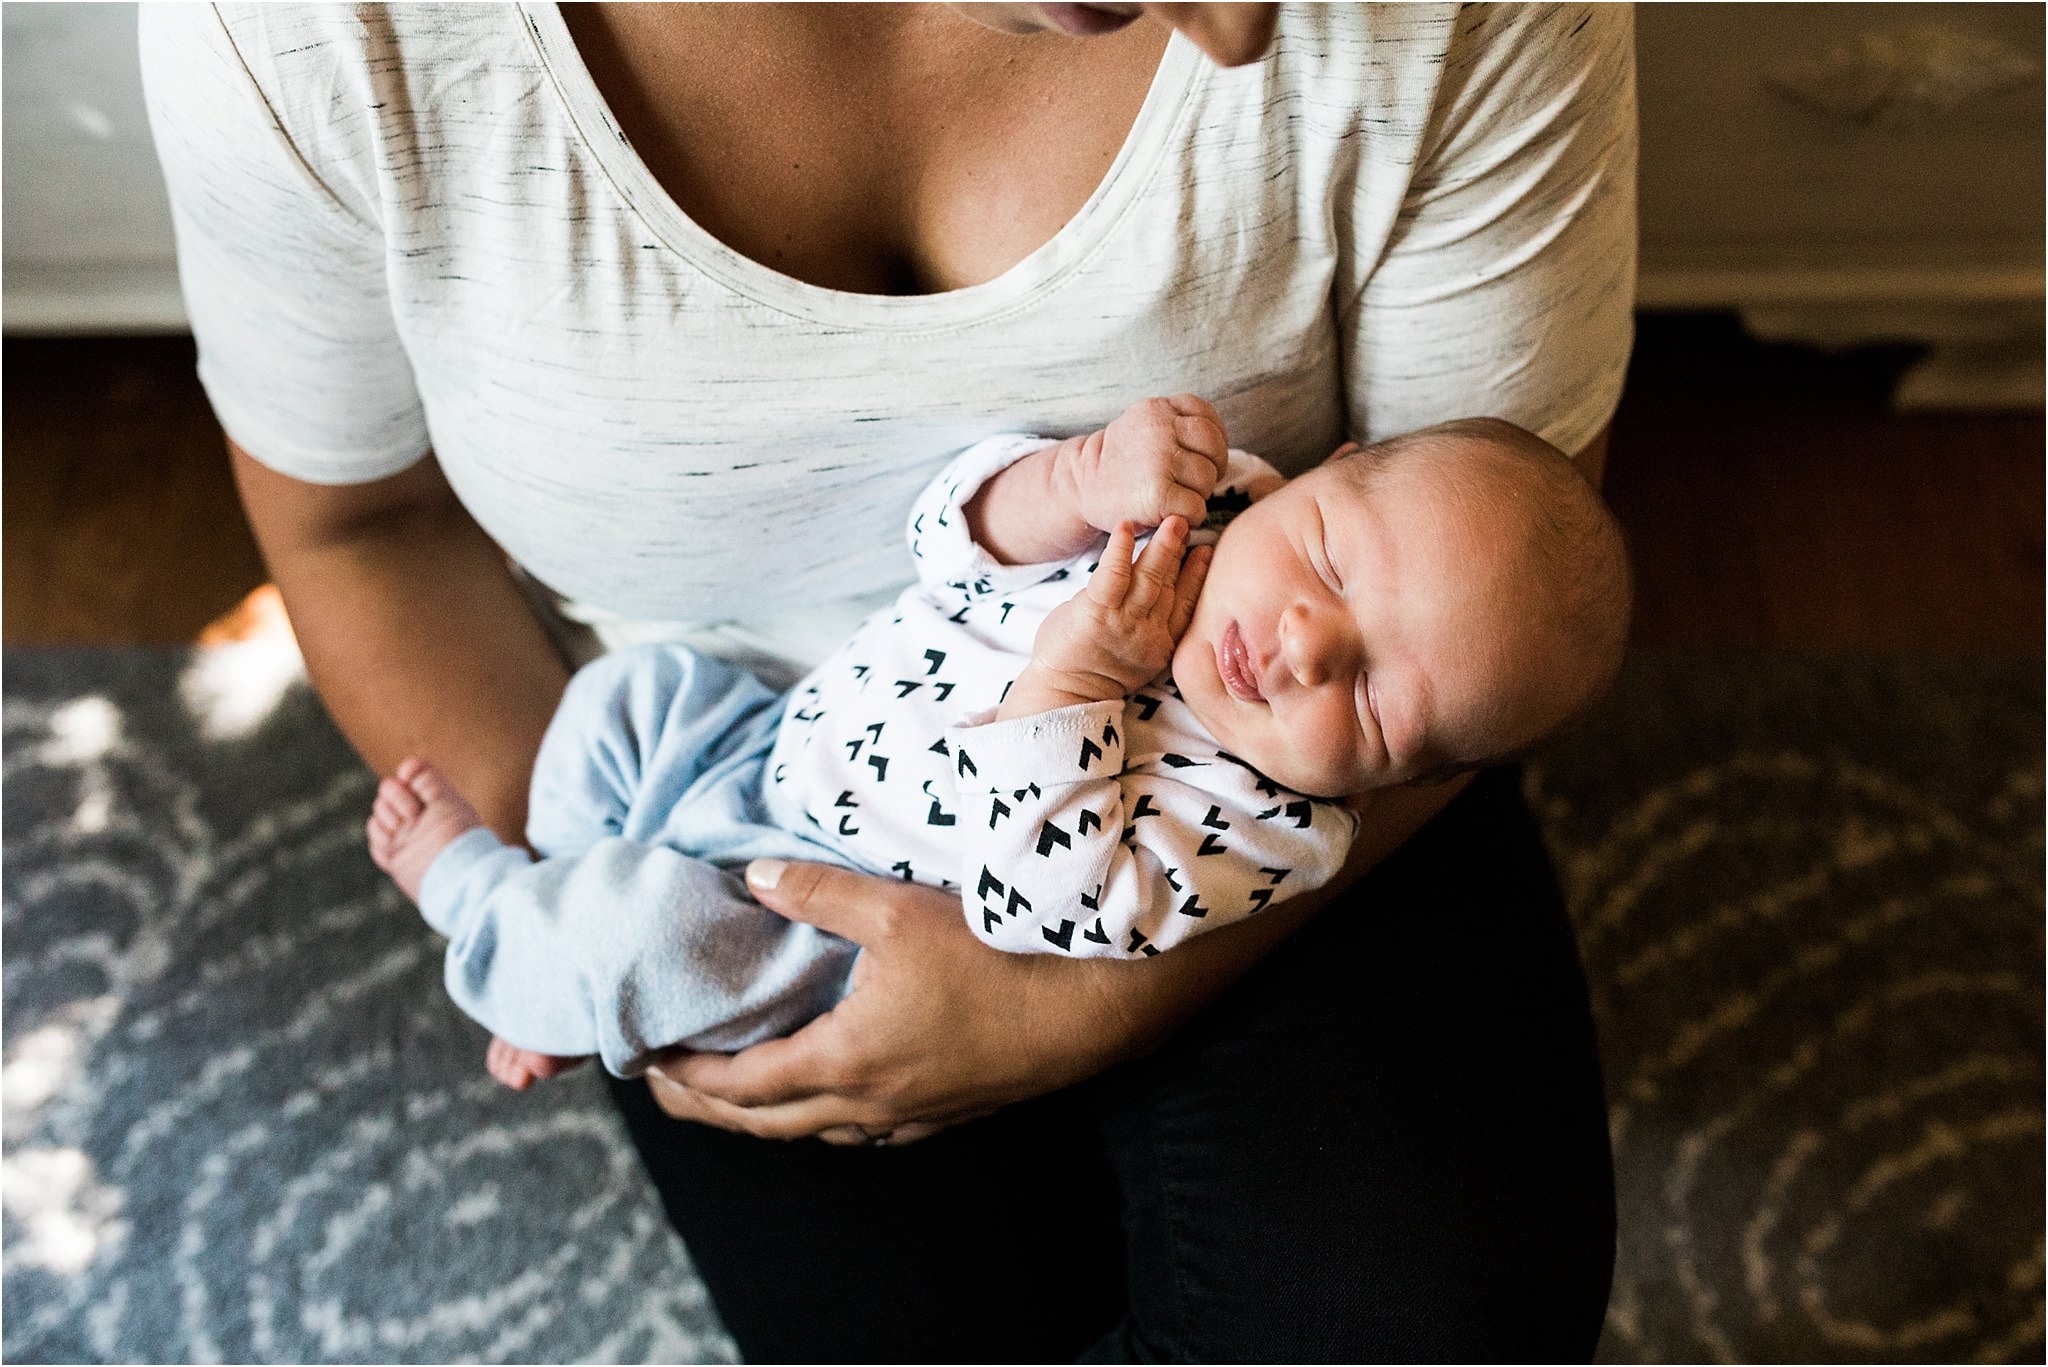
[
  {"x": 520, "y": 1068},
  {"x": 417, "y": 813}
]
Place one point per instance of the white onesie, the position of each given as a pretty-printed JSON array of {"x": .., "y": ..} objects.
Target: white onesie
[{"x": 1111, "y": 829}]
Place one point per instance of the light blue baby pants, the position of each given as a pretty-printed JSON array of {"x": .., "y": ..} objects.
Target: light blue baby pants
[{"x": 634, "y": 931}]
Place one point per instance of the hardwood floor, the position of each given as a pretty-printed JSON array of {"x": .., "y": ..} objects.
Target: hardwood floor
[
  {"x": 1770, "y": 498},
  {"x": 118, "y": 518}
]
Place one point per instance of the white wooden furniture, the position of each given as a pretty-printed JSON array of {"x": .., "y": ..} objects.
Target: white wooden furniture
[{"x": 1844, "y": 174}]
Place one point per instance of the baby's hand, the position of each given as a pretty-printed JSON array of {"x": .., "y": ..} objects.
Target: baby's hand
[
  {"x": 1114, "y": 636},
  {"x": 1161, "y": 458}
]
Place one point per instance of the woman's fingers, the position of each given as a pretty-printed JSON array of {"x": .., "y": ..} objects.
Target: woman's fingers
[
  {"x": 751, "y": 1093},
  {"x": 851, "y": 905},
  {"x": 873, "y": 1136},
  {"x": 684, "y": 1104},
  {"x": 771, "y": 1073},
  {"x": 689, "y": 1103},
  {"x": 789, "y": 1120}
]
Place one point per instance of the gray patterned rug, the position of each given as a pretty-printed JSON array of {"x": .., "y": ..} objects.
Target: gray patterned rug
[
  {"x": 241, "y": 1123},
  {"x": 1809, "y": 897}
]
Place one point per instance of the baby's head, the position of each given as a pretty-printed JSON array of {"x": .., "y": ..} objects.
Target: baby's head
[{"x": 1429, "y": 604}]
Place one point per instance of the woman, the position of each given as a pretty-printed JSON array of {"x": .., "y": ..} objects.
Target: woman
[{"x": 684, "y": 303}]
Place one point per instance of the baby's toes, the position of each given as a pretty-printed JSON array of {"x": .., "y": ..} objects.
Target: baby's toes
[
  {"x": 507, "y": 1066},
  {"x": 397, "y": 802},
  {"x": 427, "y": 781},
  {"x": 384, "y": 845}
]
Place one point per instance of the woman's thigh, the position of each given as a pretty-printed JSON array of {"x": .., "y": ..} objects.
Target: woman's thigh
[
  {"x": 996, "y": 1241},
  {"x": 1387, "y": 1142}
]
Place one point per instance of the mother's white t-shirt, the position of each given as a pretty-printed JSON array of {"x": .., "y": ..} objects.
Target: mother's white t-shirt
[{"x": 418, "y": 227}]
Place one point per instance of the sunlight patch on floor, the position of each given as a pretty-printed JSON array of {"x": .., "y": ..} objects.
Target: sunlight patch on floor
[
  {"x": 61, "y": 1213},
  {"x": 248, "y": 661}
]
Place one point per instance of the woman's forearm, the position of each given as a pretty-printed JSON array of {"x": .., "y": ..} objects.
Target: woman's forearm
[{"x": 414, "y": 632}]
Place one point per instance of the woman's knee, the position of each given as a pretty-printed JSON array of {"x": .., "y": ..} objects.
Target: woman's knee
[
  {"x": 1388, "y": 1141},
  {"x": 1311, "y": 1239}
]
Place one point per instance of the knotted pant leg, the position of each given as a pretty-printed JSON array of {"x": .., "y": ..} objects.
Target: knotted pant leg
[
  {"x": 634, "y": 932},
  {"x": 634, "y": 730}
]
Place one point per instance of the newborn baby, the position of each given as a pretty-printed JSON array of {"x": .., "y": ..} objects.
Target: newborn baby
[{"x": 1109, "y": 746}]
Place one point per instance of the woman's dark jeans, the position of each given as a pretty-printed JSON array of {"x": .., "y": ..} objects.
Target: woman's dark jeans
[{"x": 1387, "y": 1142}]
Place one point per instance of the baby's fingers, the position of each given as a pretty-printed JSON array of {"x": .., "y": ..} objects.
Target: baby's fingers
[
  {"x": 1193, "y": 572},
  {"x": 1112, "y": 576},
  {"x": 1159, "y": 565},
  {"x": 1199, "y": 428},
  {"x": 1184, "y": 501}
]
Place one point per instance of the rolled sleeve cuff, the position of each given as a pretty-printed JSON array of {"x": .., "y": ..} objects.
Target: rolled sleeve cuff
[
  {"x": 446, "y": 889},
  {"x": 1066, "y": 745}
]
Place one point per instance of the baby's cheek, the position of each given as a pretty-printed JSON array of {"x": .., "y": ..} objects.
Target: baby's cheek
[
  {"x": 1327, "y": 758},
  {"x": 1283, "y": 757}
]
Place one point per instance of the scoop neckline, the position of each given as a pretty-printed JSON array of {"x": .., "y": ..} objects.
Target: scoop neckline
[{"x": 1180, "y": 71}]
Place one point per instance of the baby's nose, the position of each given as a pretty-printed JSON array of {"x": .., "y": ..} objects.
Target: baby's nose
[{"x": 1309, "y": 645}]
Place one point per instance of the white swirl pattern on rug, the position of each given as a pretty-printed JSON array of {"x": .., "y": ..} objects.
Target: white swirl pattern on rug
[
  {"x": 242, "y": 1121},
  {"x": 1818, "y": 982}
]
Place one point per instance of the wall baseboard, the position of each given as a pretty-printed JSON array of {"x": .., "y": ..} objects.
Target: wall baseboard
[
  {"x": 1981, "y": 325},
  {"x": 125, "y": 298}
]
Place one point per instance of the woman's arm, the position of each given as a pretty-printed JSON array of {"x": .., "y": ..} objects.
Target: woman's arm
[
  {"x": 414, "y": 631},
  {"x": 936, "y": 1030},
  {"x": 416, "y": 635}
]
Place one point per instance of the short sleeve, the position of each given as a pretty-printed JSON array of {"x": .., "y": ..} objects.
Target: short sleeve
[
  {"x": 1507, "y": 285},
  {"x": 284, "y": 282}
]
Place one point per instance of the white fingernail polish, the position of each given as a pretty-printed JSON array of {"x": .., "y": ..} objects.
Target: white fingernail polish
[{"x": 764, "y": 873}]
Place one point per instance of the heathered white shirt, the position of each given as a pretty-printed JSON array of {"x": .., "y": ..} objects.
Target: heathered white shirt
[{"x": 419, "y": 228}]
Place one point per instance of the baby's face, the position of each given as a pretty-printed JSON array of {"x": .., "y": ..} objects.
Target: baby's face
[{"x": 1353, "y": 637}]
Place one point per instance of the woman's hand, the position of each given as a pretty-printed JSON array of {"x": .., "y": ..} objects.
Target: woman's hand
[{"x": 939, "y": 1028}]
